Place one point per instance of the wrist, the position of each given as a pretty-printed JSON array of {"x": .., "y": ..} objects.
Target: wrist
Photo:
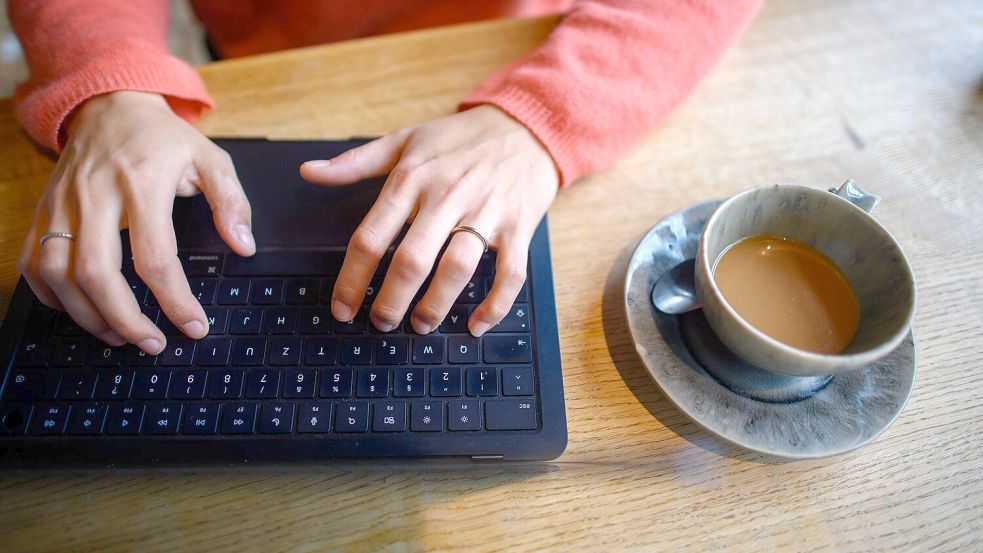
[{"x": 112, "y": 104}]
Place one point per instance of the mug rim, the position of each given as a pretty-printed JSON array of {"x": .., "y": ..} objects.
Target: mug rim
[{"x": 830, "y": 361}]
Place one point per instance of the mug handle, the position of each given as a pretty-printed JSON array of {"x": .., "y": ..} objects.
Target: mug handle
[{"x": 851, "y": 192}]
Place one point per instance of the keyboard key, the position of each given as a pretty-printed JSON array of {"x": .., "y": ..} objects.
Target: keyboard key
[
  {"x": 238, "y": 418},
  {"x": 392, "y": 351},
  {"x": 162, "y": 418},
  {"x": 135, "y": 357},
  {"x": 87, "y": 419},
  {"x": 462, "y": 350},
  {"x": 314, "y": 417},
  {"x": 29, "y": 385},
  {"x": 234, "y": 291},
  {"x": 102, "y": 355},
  {"x": 302, "y": 291},
  {"x": 518, "y": 381},
  {"x": 124, "y": 418},
  {"x": 151, "y": 313},
  {"x": 456, "y": 321},
  {"x": 336, "y": 383},
  {"x": 34, "y": 352},
  {"x": 214, "y": 352},
  {"x": 188, "y": 384},
  {"x": 201, "y": 264},
  {"x": 286, "y": 262},
  {"x": 285, "y": 351},
  {"x": 65, "y": 326},
  {"x": 523, "y": 296},
  {"x": 408, "y": 383},
  {"x": 510, "y": 414},
  {"x": 114, "y": 384},
  {"x": 200, "y": 418},
  {"x": 249, "y": 351},
  {"x": 280, "y": 320},
  {"x": 320, "y": 351},
  {"x": 482, "y": 381},
  {"x": 169, "y": 328},
  {"x": 69, "y": 352},
  {"x": 77, "y": 385},
  {"x": 486, "y": 266},
  {"x": 151, "y": 384},
  {"x": 203, "y": 289},
  {"x": 507, "y": 349},
  {"x": 267, "y": 292},
  {"x": 246, "y": 320},
  {"x": 354, "y": 326},
  {"x": 374, "y": 286},
  {"x": 474, "y": 291},
  {"x": 373, "y": 383},
  {"x": 356, "y": 351},
  {"x": 428, "y": 350},
  {"x": 49, "y": 418},
  {"x": 179, "y": 352},
  {"x": 316, "y": 320},
  {"x": 39, "y": 322},
  {"x": 262, "y": 383},
  {"x": 351, "y": 417},
  {"x": 517, "y": 320},
  {"x": 389, "y": 416},
  {"x": 445, "y": 382},
  {"x": 427, "y": 416},
  {"x": 218, "y": 319},
  {"x": 14, "y": 418},
  {"x": 463, "y": 415},
  {"x": 225, "y": 383},
  {"x": 276, "y": 418},
  {"x": 300, "y": 383}
]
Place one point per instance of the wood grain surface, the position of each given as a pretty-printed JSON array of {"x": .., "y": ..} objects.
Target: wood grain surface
[{"x": 886, "y": 92}]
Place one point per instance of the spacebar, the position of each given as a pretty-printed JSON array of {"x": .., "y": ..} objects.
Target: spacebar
[{"x": 285, "y": 263}]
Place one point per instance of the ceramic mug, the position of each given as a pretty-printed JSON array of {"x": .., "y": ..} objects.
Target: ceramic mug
[{"x": 840, "y": 226}]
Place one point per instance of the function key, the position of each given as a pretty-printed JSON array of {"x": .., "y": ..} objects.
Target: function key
[
  {"x": 200, "y": 418},
  {"x": 233, "y": 291},
  {"x": 336, "y": 383},
  {"x": 302, "y": 291},
  {"x": 314, "y": 417},
  {"x": 238, "y": 418},
  {"x": 225, "y": 383},
  {"x": 507, "y": 349},
  {"x": 389, "y": 416},
  {"x": 510, "y": 414},
  {"x": 162, "y": 418},
  {"x": 49, "y": 418},
  {"x": 29, "y": 385},
  {"x": 87, "y": 419},
  {"x": 428, "y": 350},
  {"x": 114, "y": 384},
  {"x": 482, "y": 381},
  {"x": 408, "y": 383},
  {"x": 392, "y": 351},
  {"x": 518, "y": 381},
  {"x": 445, "y": 382},
  {"x": 427, "y": 416},
  {"x": 300, "y": 383},
  {"x": 276, "y": 418},
  {"x": 463, "y": 415},
  {"x": 14, "y": 418},
  {"x": 351, "y": 416},
  {"x": 201, "y": 264},
  {"x": 124, "y": 418},
  {"x": 267, "y": 292},
  {"x": 203, "y": 289},
  {"x": 373, "y": 383},
  {"x": 462, "y": 350}
]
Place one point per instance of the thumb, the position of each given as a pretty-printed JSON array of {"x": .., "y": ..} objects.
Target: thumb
[
  {"x": 369, "y": 160},
  {"x": 230, "y": 207}
]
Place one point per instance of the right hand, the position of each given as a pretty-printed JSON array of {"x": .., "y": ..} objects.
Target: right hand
[{"x": 127, "y": 156}]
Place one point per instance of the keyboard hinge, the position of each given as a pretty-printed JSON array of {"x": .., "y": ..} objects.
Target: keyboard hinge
[{"x": 487, "y": 457}]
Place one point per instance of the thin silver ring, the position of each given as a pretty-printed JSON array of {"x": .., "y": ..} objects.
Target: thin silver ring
[
  {"x": 473, "y": 231},
  {"x": 48, "y": 235}
]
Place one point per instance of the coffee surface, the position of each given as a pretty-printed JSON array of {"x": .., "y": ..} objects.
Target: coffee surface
[{"x": 789, "y": 291}]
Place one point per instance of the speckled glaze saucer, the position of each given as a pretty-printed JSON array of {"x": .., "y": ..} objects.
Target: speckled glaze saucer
[{"x": 790, "y": 417}]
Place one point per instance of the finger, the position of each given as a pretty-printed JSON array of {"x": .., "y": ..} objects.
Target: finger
[
  {"x": 230, "y": 207},
  {"x": 510, "y": 275},
  {"x": 97, "y": 272},
  {"x": 155, "y": 260},
  {"x": 369, "y": 160},
  {"x": 28, "y": 261},
  {"x": 410, "y": 266},
  {"x": 454, "y": 270},
  {"x": 369, "y": 243}
]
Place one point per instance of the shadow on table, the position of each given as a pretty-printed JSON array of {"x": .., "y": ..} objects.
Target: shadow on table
[{"x": 639, "y": 381}]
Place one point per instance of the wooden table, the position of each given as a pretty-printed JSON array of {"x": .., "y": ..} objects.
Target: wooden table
[{"x": 886, "y": 92}]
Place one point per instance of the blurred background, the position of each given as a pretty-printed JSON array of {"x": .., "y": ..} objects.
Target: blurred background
[{"x": 186, "y": 38}]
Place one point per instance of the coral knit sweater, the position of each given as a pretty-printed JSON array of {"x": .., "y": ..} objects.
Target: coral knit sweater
[{"x": 608, "y": 73}]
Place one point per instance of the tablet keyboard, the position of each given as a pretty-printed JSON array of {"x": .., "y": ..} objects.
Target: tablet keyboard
[{"x": 275, "y": 362}]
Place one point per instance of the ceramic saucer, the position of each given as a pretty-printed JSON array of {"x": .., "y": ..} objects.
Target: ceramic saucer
[{"x": 789, "y": 417}]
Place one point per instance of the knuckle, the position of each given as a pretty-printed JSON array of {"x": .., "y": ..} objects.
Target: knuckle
[
  {"x": 89, "y": 272},
  {"x": 409, "y": 263},
  {"x": 153, "y": 265},
  {"x": 512, "y": 275},
  {"x": 366, "y": 242},
  {"x": 406, "y": 176},
  {"x": 53, "y": 268},
  {"x": 457, "y": 266}
]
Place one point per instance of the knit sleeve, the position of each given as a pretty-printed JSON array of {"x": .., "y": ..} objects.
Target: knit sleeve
[
  {"x": 77, "y": 49},
  {"x": 610, "y": 72}
]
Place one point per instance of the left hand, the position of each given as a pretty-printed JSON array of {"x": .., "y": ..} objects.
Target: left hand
[{"x": 478, "y": 168}]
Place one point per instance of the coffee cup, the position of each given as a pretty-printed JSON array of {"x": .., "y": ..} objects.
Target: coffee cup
[{"x": 840, "y": 227}]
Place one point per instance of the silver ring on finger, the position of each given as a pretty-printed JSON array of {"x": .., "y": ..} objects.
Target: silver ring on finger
[
  {"x": 472, "y": 230},
  {"x": 49, "y": 235}
]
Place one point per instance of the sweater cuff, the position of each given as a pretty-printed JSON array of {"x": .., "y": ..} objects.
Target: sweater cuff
[
  {"x": 542, "y": 122},
  {"x": 45, "y": 111}
]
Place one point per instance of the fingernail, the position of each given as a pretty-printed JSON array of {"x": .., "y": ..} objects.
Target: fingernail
[
  {"x": 318, "y": 163},
  {"x": 245, "y": 235},
  {"x": 383, "y": 326},
  {"x": 421, "y": 327},
  {"x": 193, "y": 329},
  {"x": 112, "y": 338},
  {"x": 150, "y": 345},
  {"x": 479, "y": 327},
  {"x": 341, "y": 311}
]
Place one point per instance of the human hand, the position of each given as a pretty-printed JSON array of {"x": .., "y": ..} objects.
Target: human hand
[
  {"x": 478, "y": 168},
  {"x": 127, "y": 156}
]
